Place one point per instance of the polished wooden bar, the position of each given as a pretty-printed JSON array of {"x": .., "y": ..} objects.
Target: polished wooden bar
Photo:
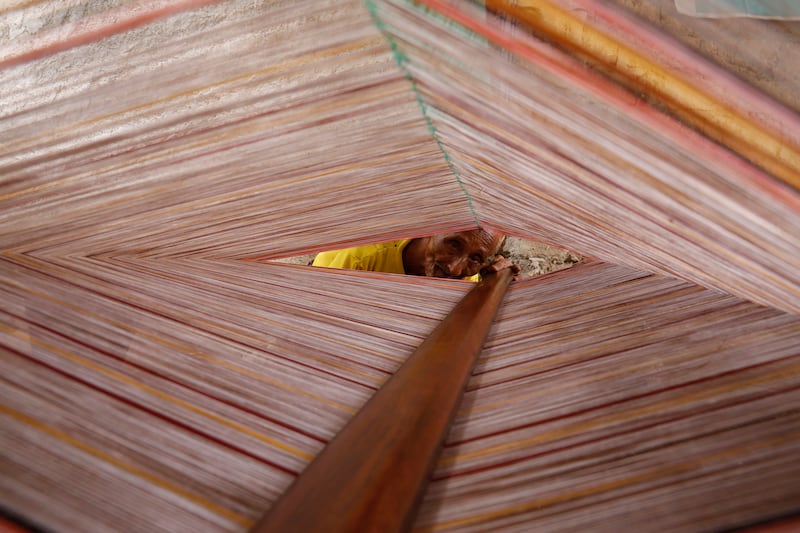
[{"x": 372, "y": 475}]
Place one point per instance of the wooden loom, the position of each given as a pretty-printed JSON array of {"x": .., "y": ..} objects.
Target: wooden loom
[{"x": 152, "y": 379}]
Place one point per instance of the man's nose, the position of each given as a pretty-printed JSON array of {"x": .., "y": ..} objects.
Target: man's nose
[{"x": 456, "y": 267}]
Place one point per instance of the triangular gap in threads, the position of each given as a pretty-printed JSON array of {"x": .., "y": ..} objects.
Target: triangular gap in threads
[{"x": 534, "y": 257}]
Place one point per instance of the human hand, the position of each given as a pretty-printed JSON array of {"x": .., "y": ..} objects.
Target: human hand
[{"x": 501, "y": 263}]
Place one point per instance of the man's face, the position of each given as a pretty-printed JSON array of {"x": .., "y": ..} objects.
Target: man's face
[{"x": 453, "y": 255}]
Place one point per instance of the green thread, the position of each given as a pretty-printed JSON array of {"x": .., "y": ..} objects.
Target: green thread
[
  {"x": 451, "y": 24},
  {"x": 401, "y": 59}
]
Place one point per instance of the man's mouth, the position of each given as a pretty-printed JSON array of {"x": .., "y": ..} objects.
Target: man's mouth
[{"x": 439, "y": 272}]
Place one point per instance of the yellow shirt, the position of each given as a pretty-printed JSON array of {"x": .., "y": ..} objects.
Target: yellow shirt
[{"x": 384, "y": 257}]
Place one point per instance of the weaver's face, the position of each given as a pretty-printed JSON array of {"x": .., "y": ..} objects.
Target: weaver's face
[{"x": 457, "y": 255}]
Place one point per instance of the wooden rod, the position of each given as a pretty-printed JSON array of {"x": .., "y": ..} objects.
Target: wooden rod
[
  {"x": 734, "y": 128},
  {"x": 372, "y": 475}
]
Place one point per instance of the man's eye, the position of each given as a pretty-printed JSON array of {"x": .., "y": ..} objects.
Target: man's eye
[{"x": 477, "y": 259}]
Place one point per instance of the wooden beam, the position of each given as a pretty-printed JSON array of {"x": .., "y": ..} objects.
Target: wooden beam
[{"x": 372, "y": 475}]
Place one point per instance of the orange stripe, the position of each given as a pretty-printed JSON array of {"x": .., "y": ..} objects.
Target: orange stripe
[
  {"x": 123, "y": 465},
  {"x": 672, "y": 402},
  {"x": 367, "y": 43},
  {"x": 21, "y": 5},
  {"x": 157, "y": 393},
  {"x": 615, "y": 484},
  {"x": 171, "y": 344}
]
